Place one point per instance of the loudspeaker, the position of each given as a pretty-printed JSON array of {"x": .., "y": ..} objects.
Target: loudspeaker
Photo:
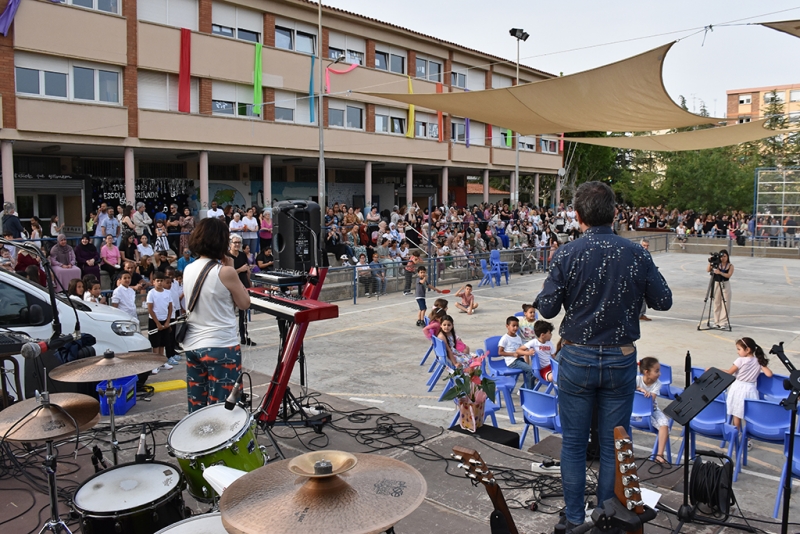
[{"x": 297, "y": 235}]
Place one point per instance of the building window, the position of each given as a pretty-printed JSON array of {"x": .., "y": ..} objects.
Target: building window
[
  {"x": 743, "y": 120},
  {"x": 428, "y": 69},
  {"x": 794, "y": 117},
  {"x": 109, "y": 6},
  {"x": 527, "y": 143},
  {"x": 353, "y": 48},
  {"x": 176, "y": 13},
  {"x": 284, "y": 114},
  {"x": 458, "y": 132},
  {"x": 745, "y": 99},
  {"x": 420, "y": 129},
  {"x": 458, "y": 80},
  {"x": 294, "y": 35},
  {"x": 305, "y": 43},
  {"x": 232, "y": 99},
  {"x": 224, "y": 31},
  {"x": 504, "y": 134},
  {"x": 158, "y": 90},
  {"x": 382, "y": 60},
  {"x": 776, "y": 97},
  {"x": 236, "y": 22},
  {"x": 422, "y": 68},
  {"x": 354, "y": 57},
  {"x": 549, "y": 146},
  {"x": 291, "y": 107},
  {"x": 345, "y": 116},
  {"x": 335, "y": 53},
  {"x": 794, "y": 95},
  {"x": 355, "y": 117},
  {"x": 381, "y": 123},
  {"x": 49, "y": 77},
  {"x": 390, "y": 58},
  {"x": 397, "y": 64},
  {"x": 336, "y": 117},
  {"x": 398, "y": 126},
  {"x": 426, "y": 129},
  {"x": 284, "y": 38}
]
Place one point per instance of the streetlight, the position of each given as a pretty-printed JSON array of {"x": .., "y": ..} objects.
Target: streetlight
[{"x": 518, "y": 34}]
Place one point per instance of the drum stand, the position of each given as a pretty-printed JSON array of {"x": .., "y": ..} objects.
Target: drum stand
[
  {"x": 55, "y": 523},
  {"x": 111, "y": 394}
]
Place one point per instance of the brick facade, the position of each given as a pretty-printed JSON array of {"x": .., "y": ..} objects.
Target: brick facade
[
  {"x": 370, "y": 122},
  {"x": 369, "y": 60},
  {"x": 326, "y": 39},
  {"x": 324, "y": 113},
  {"x": 489, "y": 73},
  {"x": 205, "y": 16},
  {"x": 130, "y": 74},
  {"x": 448, "y": 68},
  {"x": 7, "y": 84},
  {"x": 755, "y": 106},
  {"x": 733, "y": 106},
  {"x": 268, "y": 108},
  {"x": 411, "y": 68},
  {"x": 269, "y": 30},
  {"x": 205, "y": 96}
]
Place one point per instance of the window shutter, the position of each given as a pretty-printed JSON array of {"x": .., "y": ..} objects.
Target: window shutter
[
  {"x": 223, "y": 91},
  {"x": 153, "y": 92},
  {"x": 223, "y": 14},
  {"x": 183, "y": 14},
  {"x": 248, "y": 19},
  {"x": 152, "y": 10}
]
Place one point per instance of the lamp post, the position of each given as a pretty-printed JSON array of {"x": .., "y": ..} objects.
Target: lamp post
[{"x": 520, "y": 35}]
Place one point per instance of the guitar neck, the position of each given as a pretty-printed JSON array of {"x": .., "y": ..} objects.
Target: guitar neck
[{"x": 499, "y": 503}]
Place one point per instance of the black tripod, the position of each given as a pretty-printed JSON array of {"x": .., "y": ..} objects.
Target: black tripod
[
  {"x": 714, "y": 291},
  {"x": 790, "y": 403}
]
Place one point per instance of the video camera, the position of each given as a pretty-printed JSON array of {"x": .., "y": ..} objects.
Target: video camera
[{"x": 714, "y": 259}]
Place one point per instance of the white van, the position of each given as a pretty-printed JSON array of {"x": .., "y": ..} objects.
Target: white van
[{"x": 25, "y": 307}]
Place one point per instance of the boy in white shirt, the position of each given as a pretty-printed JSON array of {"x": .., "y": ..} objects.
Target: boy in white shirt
[
  {"x": 169, "y": 287},
  {"x": 543, "y": 348},
  {"x": 124, "y": 297},
  {"x": 516, "y": 355},
  {"x": 159, "y": 307}
]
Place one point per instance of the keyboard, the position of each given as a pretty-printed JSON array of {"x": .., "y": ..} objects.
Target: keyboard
[
  {"x": 11, "y": 342},
  {"x": 281, "y": 278},
  {"x": 297, "y": 310}
]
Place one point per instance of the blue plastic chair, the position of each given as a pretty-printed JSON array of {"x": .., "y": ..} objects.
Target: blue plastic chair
[
  {"x": 666, "y": 381},
  {"x": 489, "y": 411},
  {"x": 770, "y": 388},
  {"x": 494, "y": 260},
  {"x": 539, "y": 410},
  {"x": 495, "y": 364},
  {"x": 795, "y": 463},
  {"x": 711, "y": 422},
  {"x": 504, "y": 385},
  {"x": 764, "y": 421},
  {"x": 489, "y": 275},
  {"x": 640, "y": 418},
  {"x": 442, "y": 363}
]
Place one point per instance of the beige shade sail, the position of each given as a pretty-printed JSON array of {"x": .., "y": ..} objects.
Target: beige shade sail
[
  {"x": 627, "y": 96},
  {"x": 792, "y": 27},
  {"x": 693, "y": 140}
]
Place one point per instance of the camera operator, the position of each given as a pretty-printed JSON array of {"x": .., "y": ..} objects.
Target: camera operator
[{"x": 722, "y": 269}]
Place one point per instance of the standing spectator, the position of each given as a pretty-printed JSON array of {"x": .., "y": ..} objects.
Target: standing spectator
[
  {"x": 174, "y": 228},
  {"x": 99, "y": 219},
  {"x": 265, "y": 233},
  {"x": 124, "y": 297},
  {"x": 161, "y": 242},
  {"x": 213, "y": 354},
  {"x": 236, "y": 225},
  {"x": 87, "y": 258},
  {"x": 11, "y": 224},
  {"x": 790, "y": 228},
  {"x": 242, "y": 268},
  {"x": 142, "y": 221},
  {"x": 111, "y": 227},
  {"x": 126, "y": 223},
  {"x": 111, "y": 256},
  {"x": 215, "y": 212},
  {"x": 62, "y": 259},
  {"x": 55, "y": 228},
  {"x": 597, "y": 364},
  {"x": 36, "y": 233},
  {"x": 250, "y": 231},
  {"x": 187, "y": 223}
]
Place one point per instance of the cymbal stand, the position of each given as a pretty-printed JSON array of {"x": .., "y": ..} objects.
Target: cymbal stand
[
  {"x": 111, "y": 394},
  {"x": 55, "y": 523}
]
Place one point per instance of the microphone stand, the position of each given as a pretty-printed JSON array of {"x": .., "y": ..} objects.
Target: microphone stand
[{"x": 792, "y": 384}]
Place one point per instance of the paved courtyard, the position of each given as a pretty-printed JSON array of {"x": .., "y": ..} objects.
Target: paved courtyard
[{"x": 371, "y": 353}]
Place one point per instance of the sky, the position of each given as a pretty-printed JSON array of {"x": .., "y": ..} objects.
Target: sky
[{"x": 570, "y": 36}]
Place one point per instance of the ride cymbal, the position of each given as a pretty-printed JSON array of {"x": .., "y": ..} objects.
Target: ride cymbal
[
  {"x": 49, "y": 421},
  {"x": 108, "y": 366},
  {"x": 371, "y": 494}
]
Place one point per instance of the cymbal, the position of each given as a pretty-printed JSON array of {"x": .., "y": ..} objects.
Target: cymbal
[
  {"x": 49, "y": 422},
  {"x": 107, "y": 367},
  {"x": 369, "y": 495}
]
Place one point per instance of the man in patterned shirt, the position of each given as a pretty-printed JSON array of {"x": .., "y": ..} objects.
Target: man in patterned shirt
[{"x": 601, "y": 281}]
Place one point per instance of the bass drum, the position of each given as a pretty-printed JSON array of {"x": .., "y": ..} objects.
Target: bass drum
[
  {"x": 214, "y": 436},
  {"x": 200, "y": 524},
  {"x": 131, "y": 499}
]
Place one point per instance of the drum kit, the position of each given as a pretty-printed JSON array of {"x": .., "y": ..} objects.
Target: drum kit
[{"x": 220, "y": 463}]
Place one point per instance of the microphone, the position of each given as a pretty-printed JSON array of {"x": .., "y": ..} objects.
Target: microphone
[
  {"x": 97, "y": 453},
  {"x": 236, "y": 392},
  {"x": 33, "y": 349},
  {"x": 141, "y": 452},
  {"x": 95, "y": 464},
  {"x": 713, "y": 454}
]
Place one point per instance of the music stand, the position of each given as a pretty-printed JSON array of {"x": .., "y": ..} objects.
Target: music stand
[{"x": 682, "y": 410}]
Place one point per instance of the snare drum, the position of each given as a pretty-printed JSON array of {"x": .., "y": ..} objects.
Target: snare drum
[
  {"x": 214, "y": 436},
  {"x": 131, "y": 499},
  {"x": 200, "y": 524}
]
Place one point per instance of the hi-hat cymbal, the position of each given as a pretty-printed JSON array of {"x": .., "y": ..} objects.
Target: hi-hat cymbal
[
  {"x": 49, "y": 422},
  {"x": 107, "y": 367},
  {"x": 373, "y": 495}
]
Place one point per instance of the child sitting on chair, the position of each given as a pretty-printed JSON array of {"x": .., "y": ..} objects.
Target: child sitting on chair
[
  {"x": 648, "y": 384},
  {"x": 543, "y": 347}
]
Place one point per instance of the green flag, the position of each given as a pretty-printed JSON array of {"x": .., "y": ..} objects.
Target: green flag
[
  {"x": 258, "y": 92},
  {"x": 508, "y": 138}
]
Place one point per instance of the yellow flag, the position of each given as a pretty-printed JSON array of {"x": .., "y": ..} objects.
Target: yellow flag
[{"x": 411, "y": 125}]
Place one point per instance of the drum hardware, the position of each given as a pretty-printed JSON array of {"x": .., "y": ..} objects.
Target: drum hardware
[
  {"x": 342, "y": 492},
  {"x": 108, "y": 366},
  {"x": 206, "y": 523}
]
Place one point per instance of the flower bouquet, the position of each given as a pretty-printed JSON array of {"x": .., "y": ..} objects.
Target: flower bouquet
[{"x": 471, "y": 389}]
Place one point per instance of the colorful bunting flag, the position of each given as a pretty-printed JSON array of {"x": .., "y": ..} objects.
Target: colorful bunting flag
[
  {"x": 411, "y": 123},
  {"x": 329, "y": 71},
  {"x": 258, "y": 90},
  {"x": 311, "y": 92},
  {"x": 185, "y": 73}
]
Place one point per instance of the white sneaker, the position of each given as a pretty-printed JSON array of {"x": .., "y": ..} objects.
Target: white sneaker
[
  {"x": 344, "y": 257},
  {"x": 166, "y": 366},
  {"x": 155, "y": 371}
]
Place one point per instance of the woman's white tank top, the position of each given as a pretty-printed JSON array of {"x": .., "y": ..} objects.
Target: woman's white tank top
[{"x": 214, "y": 322}]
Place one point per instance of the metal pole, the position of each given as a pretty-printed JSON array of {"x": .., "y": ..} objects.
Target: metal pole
[
  {"x": 515, "y": 185},
  {"x": 320, "y": 117}
]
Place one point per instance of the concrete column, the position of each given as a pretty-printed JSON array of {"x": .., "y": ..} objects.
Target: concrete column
[
  {"x": 486, "y": 185},
  {"x": 445, "y": 186},
  {"x": 7, "y": 153},
  {"x": 536, "y": 189},
  {"x": 267, "y": 185},
  {"x": 513, "y": 189},
  {"x": 558, "y": 192},
  {"x": 204, "y": 202},
  {"x": 130, "y": 177},
  {"x": 409, "y": 184},
  {"x": 367, "y": 185}
]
